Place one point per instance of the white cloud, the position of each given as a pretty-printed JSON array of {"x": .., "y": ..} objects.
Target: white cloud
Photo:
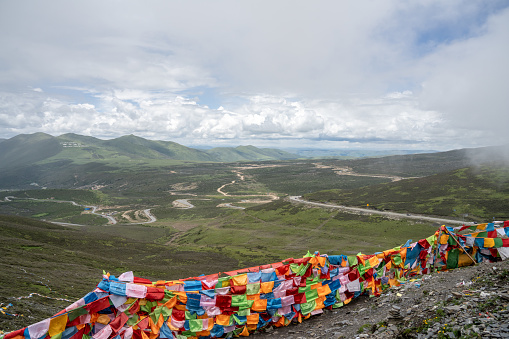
[
  {"x": 262, "y": 117},
  {"x": 424, "y": 74},
  {"x": 468, "y": 80}
]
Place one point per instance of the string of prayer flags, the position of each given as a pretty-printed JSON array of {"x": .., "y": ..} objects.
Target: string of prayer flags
[{"x": 238, "y": 303}]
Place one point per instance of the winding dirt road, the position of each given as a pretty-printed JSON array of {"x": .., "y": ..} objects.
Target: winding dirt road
[
  {"x": 111, "y": 219},
  {"x": 384, "y": 213}
]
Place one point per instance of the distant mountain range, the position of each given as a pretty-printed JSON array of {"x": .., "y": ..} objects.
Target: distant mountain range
[
  {"x": 38, "y": 148},
  {"x": 73, "y": 160},
  {"x": 321, "y": 153}
]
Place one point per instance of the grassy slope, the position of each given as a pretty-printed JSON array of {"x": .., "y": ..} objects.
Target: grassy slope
[
  {"x": 63, "y": 262},
  {"x": 278, "y": 230},
  {"x": 136, "y": 147},
  {"x": 428, "y": 163},
  {"x": 297, "y": 178},
  {"x": 24, "y": 149},
  {"x": 482, "y": 192},
  {"x": 249, "y": 153}
]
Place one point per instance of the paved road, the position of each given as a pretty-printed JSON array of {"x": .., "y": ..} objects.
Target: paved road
[
  {"x": 149, "y": 215},
  {"x": 385, "y": 213}
]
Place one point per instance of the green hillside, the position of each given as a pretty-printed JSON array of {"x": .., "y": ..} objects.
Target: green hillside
[
  {"x": 243, "y": 153},
  {"x": 481, "y": 192},
  {"x": 72, "y": 160},
  {"x": 40, "y": 148},
  {"x": 26, "y": 149},
  {"x": 85, "y": 140},
  {"x": 136, "y": 147},
  {"x": 280, "y": 229},
  {"x": 412, "y": 165}
]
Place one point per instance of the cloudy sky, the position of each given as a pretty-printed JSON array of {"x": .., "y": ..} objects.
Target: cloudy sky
[{"x": 325, "y": 74}]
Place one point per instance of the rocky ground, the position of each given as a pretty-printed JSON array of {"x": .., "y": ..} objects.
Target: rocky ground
[{"x": 469, "y": 302}]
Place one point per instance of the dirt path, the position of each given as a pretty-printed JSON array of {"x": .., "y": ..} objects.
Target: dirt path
[
  {"x": 348, "y": 171},
  {"x": 224, "y": 193},
  {"x": 182, "y": 204},
  {"x": 242, "y": 177}
]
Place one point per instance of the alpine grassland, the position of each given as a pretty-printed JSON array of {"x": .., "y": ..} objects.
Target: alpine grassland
[{"x": 478, "y": 193}]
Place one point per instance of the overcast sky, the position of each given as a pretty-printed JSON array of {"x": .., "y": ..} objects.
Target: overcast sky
[{"x": 325, "y": 74}]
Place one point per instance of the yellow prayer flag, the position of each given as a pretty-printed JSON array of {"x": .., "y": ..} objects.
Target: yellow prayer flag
[
  {"x": 239, "y": 280},
  {"x": 489, "y": 242},
  {"x": 57, "y": 325}
]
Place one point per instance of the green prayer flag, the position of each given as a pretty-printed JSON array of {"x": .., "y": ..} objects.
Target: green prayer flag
[
  {"x": 307, "y": 307},
  {"x": 304, "y": 289},
  {"x": 363, "y": 268},
  {"x": 451, "y": 241},
  {"x": 303, "y": 269},
  {"x": 397, "y": 259},
  {"x": 313, "y": 280},
  {"x": 239, "y": 321},
  {"x": 76, "y": 313},
  {"x": 432, "y": 239},
  {"x": 166, "y": 312},
  {"x": 352, "y": 260},
  {"x": 482, "y": 235},
  {"x": 452, "y": 258},
  {"x": 245, "y": 312},
  {"x": 155, "y": 315},
  {"x": 189, "y": 315},
  {"x": 380, "y": 270},
  {"x": 239, "y": 300},
  {"x": 253, "y": 288},
  {"x": 145, "y": 308},
  {"x": 133, "y": 320},
  {"x": 195, "y": 325},
  {"x": 167, "y": 296},
  {"x": 311, "y": 295}
]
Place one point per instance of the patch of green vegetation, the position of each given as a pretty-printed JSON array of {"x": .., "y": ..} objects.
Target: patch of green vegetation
[
  {"x": 297, "y": 178},
  {"x": 257, "y": 232},
  {"x": 40, "y": 215},
  {"x": 469, "y": 193},
  {"x": 363, "y": 328},
  {"x": 42, "y": 209},
  {"x": 31, "y": 247}
]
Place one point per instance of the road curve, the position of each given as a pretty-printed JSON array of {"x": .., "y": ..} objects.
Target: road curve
[
  {"x": 149, "y": 215},
  {"x": 183, "y": 204},
  {"x": 385, "y": 213}
]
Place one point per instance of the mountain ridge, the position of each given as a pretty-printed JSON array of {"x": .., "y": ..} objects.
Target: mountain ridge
[{"x": 30, "y": 149}]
